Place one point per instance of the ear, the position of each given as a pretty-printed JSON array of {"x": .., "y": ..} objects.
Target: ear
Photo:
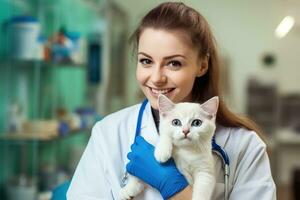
[
  {"x": 164, "y": 104},
  {"x": 211, "y": 106},
  {"x": 203, "y": 66}
]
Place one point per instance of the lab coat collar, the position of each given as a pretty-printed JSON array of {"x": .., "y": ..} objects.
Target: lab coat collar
[
  {"x": 148, "y": 128},
  {"x": 222, "y": 135}
]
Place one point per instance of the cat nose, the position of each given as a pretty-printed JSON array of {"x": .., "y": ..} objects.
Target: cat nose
[{"x": 186, "y": 131}]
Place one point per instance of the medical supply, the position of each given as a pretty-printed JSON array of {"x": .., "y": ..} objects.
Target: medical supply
[
  {"x": 24, "y": 32},
  {"x": 21, "y": 187}
]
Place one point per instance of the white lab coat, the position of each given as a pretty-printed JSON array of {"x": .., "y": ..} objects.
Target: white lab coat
[{"x": 102, "y": 166}]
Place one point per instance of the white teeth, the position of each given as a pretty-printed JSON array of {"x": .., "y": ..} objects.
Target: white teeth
[{"x": 160, "y": 91}]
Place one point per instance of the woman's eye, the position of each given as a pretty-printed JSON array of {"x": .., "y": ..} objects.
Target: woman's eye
[
  {"x": 145, "y": 61},
  {"x": 175, "y": 63},
  {"x": 176, "y": 122},
  {"x": 196, "y": 122}
]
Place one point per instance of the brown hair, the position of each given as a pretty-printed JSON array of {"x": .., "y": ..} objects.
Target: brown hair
[{"x": 173, "y": 16}]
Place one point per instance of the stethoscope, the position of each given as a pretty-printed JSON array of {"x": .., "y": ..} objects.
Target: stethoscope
[{"x": 217, "y": 149}]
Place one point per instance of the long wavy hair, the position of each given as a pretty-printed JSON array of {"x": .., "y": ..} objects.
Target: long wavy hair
[{"x": 176, "y": 16}]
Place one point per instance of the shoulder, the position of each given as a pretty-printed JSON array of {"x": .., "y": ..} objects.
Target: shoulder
[
  {"x": 249, "y": 163},
  {"x": 240, "y": 143},
  {"x": 115, "y": 130},
  {"x": 116, "y": 126},
  {"x": 121, "y": 117},
  {"x": 238, "y": 136}
]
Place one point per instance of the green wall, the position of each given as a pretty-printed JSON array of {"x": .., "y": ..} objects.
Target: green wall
[{"x": 48, "y": 85}]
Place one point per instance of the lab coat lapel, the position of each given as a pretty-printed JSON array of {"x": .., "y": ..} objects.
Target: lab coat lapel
[
  {"x": 148, "y": 128},
  {"x": 149, "y": 132},
  {"x": 222, "y": 135}
]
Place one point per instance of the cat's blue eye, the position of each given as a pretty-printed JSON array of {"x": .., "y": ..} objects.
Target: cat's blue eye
[
  {"x": 176, "y": 122},
  {"x": 196, "y": 122}
]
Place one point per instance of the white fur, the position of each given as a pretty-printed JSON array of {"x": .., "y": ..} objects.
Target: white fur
[
  {"x": 192, "y": 153},
  {"x": 132, "y": 188}
]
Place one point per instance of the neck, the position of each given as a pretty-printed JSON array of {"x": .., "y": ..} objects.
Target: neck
[{"x": 155, "y": 114}]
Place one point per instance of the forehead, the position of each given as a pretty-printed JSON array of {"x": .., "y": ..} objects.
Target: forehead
[
  {"x": 193, "y": 110},
  {"x": 159, "y": 41},
  {"x": 188, "y": 111}
]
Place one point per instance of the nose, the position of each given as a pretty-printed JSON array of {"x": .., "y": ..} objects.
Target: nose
[
  {"x": 158, "y": 77},
  {"x": 186, "y": 131}
]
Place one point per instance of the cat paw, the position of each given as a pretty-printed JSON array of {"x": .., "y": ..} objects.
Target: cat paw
[
  {"x": 131, "y": 190},
  {"x": 162, "y": 155},
  {"x": 125, "y": 194}
]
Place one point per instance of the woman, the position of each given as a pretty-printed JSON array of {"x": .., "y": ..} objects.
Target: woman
[{"x": 177, "y": 56}]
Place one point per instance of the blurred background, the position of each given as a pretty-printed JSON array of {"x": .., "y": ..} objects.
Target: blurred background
[{"x": 65, "y": 64}]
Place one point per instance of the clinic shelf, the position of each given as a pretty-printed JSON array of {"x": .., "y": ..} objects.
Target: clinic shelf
[
  {"x": 63, "y": 64},
  {"x": 13, "y": 63},
  {"x": 35, "y": 137},
  {"x": 21, "y": 63},
  {"x": 287, "y": 137}
]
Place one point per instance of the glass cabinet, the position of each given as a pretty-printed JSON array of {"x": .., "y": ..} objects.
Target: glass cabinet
[{"x": 54, "y": 56}]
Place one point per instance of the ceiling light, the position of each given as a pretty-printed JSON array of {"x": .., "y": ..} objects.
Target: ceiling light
[{"x": 284, "y": 27}]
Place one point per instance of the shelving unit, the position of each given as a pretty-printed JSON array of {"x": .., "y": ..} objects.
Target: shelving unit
[
  {"x": 284, "y": 158},
  {"x": 35, "y": 137},
  {"x": 35, "y": 155},
  {"x": 262, "y": 106},
  {"x": 42, "y": 87},
  {"x": 287, "y": 137}
]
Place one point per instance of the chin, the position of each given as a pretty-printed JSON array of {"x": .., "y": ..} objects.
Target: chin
[
  {"x": 153, "y": 103},
  {"x": 182, "y": 142}
]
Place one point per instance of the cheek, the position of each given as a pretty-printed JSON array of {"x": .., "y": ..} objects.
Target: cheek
[
  {"x": 195, "y": 130},
  {"x": 184, "y": 80},
  {"x": 188, "y": 83},
  {"x": 167, "y": 126},
  {"x": 184, "y": 86},
  {"x": 177, "y": 132},
  {"x": 140, "y": 75}
]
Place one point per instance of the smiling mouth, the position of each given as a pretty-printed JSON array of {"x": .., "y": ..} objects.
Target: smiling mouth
[{"x": 161, "y": 91}]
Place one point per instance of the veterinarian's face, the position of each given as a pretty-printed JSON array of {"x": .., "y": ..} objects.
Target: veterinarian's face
[{"x": 167, "y": 64}]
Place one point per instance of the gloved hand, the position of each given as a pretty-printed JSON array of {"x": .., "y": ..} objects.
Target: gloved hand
[{"x": 165, "y": 177}]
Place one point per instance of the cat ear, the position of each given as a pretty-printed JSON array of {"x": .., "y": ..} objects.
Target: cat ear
[
  {"x": 211, "y": 106},
  {"x": 164, "y": 104}
]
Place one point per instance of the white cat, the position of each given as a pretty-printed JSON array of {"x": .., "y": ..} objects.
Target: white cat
[{"x": 186, "y": 131}]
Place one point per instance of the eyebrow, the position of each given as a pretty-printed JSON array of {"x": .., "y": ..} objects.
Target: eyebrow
[{"x": 167, "y": 57}]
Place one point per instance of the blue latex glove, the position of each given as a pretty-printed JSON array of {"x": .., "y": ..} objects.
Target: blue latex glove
[{"x": 165, "y": 177}]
